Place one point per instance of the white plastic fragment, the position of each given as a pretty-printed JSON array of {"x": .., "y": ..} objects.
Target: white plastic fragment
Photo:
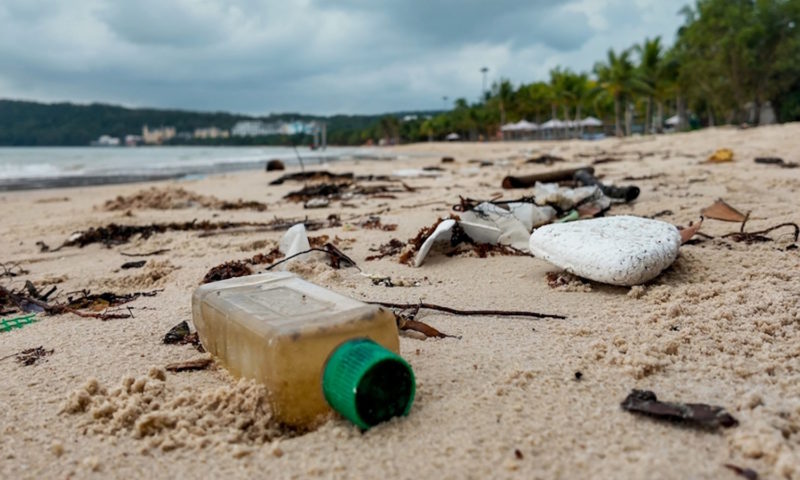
[
  {"x": 415, "y": 173},
  {"x": 622, "y": 250},
  {"x": 488, "y": 223},
  {"x": 294, "y": 241},
  {"x": 532, "y": 215},
  {"x": 565, "y": 198},
  {"x": 443, "y": 233}
]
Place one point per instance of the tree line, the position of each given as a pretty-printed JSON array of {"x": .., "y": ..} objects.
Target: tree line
[{"x": 729, "y": 60}]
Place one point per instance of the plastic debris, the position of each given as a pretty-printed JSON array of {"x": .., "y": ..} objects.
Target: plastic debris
[
  {"x": 294, "y": 241},
  {"x": 8, "y": 324},
  {"x": 722, "y": 155},
  {"x": 443, "y": 233},
  {"x": 621, "y": 250}
]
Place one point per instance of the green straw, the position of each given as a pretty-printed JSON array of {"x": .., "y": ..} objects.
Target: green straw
[{"x": 8, "y": 324}]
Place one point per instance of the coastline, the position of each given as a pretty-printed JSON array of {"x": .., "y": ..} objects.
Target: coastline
[{"x": 720, "y": 326}]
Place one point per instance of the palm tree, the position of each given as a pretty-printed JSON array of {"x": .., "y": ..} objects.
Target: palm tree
[
  {"x": 650, "y": 60},
  {"x": 617, "y": 79}
]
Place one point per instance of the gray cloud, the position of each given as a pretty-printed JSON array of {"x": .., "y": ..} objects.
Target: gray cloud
[{"x": 315, "y": 56}]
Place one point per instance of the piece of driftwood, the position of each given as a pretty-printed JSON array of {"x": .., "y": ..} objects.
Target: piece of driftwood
[
  {"x": 528, "y": 181},
  {"x": 189, "y": 365}
]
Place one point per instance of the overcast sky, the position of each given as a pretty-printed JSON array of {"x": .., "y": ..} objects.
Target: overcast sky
[{"x": 312, "y": 56}]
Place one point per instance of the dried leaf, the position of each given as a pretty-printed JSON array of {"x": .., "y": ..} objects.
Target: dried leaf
[
  {"x": 189, "y": 365},
  {"x": 720, "y": 210},
  {"x": 422, "y": 327},
  {"x": 721, "y": 156},
  {"x": 695, "y": 414},
  {"x": 688, "y": 232},
  {"x": 136, "y": 264}
]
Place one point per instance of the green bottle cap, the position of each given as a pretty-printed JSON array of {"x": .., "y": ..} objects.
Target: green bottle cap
[{"x": 367, "y": 383}]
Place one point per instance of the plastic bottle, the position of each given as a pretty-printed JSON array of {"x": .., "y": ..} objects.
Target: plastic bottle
[{"x": 310, "y": 346}]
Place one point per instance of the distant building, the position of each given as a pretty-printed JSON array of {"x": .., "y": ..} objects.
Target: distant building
[
  {"x": 210, "y": 132},
  {"x": 254, "y": 128},
  {"x": 106, "y": 141},
  {"x": 132, "y": 140},
  {"x": 410, "y": 118},
  {"x": 158, "y": 135}
]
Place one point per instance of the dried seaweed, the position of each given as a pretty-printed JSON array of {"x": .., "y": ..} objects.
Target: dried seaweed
[
  {"x": 694, "y": 414},
  {"x": 373, "y": 222},
  {"x": 12, "y": 270},
  {"x": 227, "y": 270},
  {"x": 170, "y": 198},
  {"x": 30, "y": 300},
  {"x": 325, "y": 190},
  {"x": 394, "y": 247},
  {"x": 311, "y": 176},
  {"x": 145, "y": 254},
  {"x": 775, "y": 161},
  {"x": 189, "y": 365},
  {"x": 30, "y": 356}
]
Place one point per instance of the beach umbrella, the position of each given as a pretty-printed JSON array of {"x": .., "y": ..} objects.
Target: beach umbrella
[
  {"x": 552, "y": 123},
  {"x": 591, "y": 122},
  {"x": 452, "y": 136},
  {"x": 526, "y": 125},
  {"x": 509, "y": 127},
  {"x": 673, "y": 120}
]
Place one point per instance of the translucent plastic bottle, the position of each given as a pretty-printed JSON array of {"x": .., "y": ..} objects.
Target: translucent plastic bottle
[{"x": 287, "y": 333}]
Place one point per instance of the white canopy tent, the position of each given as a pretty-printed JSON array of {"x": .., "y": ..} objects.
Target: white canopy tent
[
  {"x": 590, "y": 122},
  {"x": 553, "y": 123},
  {"x": 452, "y": 136},
  {"x": 673, "y": 120}
]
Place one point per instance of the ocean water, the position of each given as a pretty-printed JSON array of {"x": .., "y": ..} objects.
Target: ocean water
[{"x": 41, "y": 167}]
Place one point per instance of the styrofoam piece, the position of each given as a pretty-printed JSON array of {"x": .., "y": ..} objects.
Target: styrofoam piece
[
  {"x": 294, "y": 241},
  {"x": 622, "y": 250},
  {"x": 443, "y": 233},
  {"x": 415, "y": 173}
]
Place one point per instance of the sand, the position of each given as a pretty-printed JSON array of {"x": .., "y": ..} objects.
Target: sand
[{"x": 502, "y": 400}]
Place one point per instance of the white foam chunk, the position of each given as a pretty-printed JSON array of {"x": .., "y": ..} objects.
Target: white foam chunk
[{"x": 622, "y": 250}]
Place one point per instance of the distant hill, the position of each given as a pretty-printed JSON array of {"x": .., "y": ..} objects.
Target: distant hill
[{"x": 24, "y": 123}]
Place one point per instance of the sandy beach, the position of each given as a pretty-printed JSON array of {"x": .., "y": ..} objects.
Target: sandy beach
[{"x": 502, "y": 398}]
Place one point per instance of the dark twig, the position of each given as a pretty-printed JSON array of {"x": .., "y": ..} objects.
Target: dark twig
[
  {"x": 145, "y": 254},
  {"x": 454, "y": 311},
  {"x": 333, "y": 252}
]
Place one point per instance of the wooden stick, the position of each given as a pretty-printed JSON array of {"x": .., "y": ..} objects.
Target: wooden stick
[
  {"x": 454, "y": 311},
  {"x": 528, "y": 181}
]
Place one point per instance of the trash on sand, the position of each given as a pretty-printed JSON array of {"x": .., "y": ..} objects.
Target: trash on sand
[
  {"x": 30, "y": 356},
  {"x": 528, "y": 181},
  {"x": 275, "y": 164},
  {"x": 621, "y": 250},
  {"x": 776, "y": 161},
  {"x": 448, "y": 160},
  {"x": 416, "y": 173},
  {"x": 690, "y": 231},
  {"x": 317, "y": 203},
  {"x": 294, "y": 241},
  {"x": 442, "y": 233},
  {"x": 720, "y": 210},
  {"x": 135, "y": 264},
  {"x": 8, "y": 324},
  {"x": 181, "y": 335},
  {"x": 720, "y": 156},
  {"x": 189, "y": 365},
  {"x": 695, "y": 414},
  {"x": 488, "y": 223},
  {"x": 565, "y": 198},
  {"x": 626, "y": 194},
  {"x": 307, "y": 336},
  {"x": 747, "y": 473}
]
